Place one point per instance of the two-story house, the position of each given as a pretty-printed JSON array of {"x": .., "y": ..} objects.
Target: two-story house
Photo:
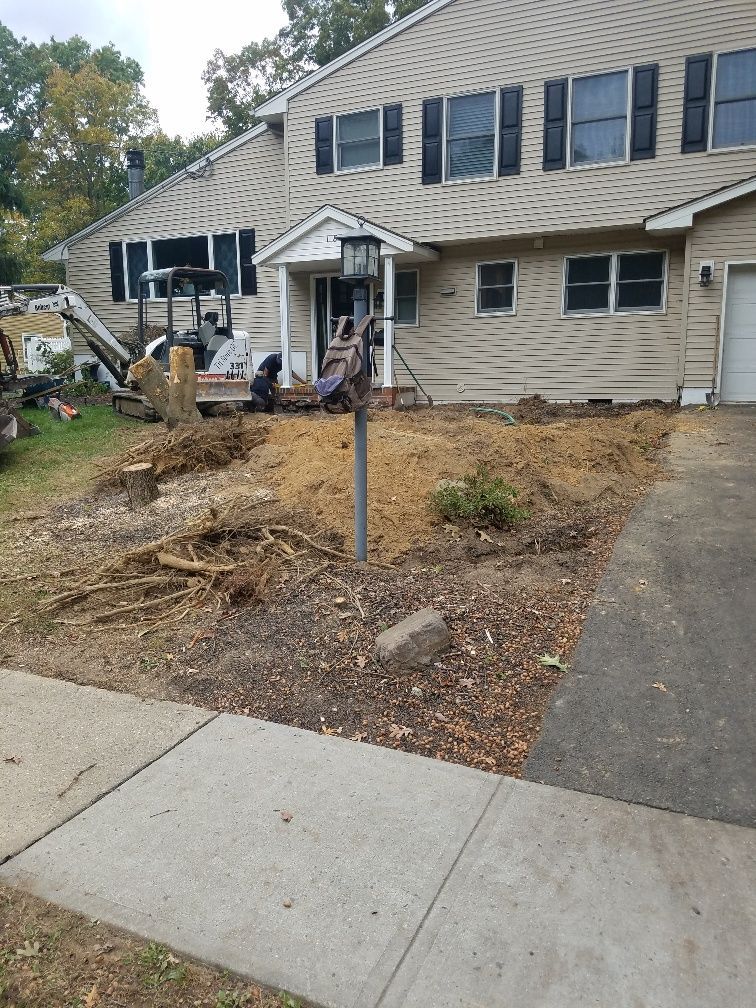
[{"x": 565, "y": 196}]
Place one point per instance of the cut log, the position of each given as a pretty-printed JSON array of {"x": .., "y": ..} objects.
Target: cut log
[
  {"x": 148, "y": 373},
  {"x": 140, "y": 483},
  {"x": 182, "y": 388}
]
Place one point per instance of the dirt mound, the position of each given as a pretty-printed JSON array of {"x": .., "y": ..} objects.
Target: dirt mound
[{"x": 559, "y": 466}]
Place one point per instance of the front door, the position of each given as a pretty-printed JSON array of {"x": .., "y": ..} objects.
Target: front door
[
  {"x": 738, "y": 383},
  {"x": 333, "y": 298}
]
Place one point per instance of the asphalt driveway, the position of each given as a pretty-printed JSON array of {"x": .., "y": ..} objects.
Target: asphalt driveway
[{"x": 659, "y": 707}]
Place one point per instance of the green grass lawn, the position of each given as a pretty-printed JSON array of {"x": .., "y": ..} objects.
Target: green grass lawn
[{"x": 59, "y": 460}]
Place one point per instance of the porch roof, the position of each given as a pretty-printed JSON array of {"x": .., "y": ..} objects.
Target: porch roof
[
  {"x": 680, "y": 218},
  {"x": 313, "y": 243}
]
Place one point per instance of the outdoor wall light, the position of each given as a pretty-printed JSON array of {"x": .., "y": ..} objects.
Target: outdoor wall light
[
  {"x": 360, "y": 256},
  {"x": 705, "y": 274}
]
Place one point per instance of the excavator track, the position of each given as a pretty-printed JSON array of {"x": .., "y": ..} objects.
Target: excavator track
[{"x": 133, "y": 405}]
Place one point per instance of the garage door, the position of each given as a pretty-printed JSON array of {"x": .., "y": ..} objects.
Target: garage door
[{"x": 739, "y": 351}]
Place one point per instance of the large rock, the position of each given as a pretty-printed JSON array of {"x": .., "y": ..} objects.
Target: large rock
[{"x": 414, "y": 642}]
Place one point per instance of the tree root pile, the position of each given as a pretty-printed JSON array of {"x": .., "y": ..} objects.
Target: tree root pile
[
  {"x": 213, "y": 444},
  {"x": 230, "y": 557}
]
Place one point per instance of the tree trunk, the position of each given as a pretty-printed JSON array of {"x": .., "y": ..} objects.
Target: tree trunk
[
  {"x": 153, "y": 384},
  {"x": 182, "y": 388},
  {"x": 140, "y": 483}
]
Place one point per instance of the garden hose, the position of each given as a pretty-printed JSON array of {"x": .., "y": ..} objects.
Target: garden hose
[{"x": 507, "y": 416}]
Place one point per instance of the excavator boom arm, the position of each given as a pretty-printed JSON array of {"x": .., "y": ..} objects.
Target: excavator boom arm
[{"x": 19, "y": 300}]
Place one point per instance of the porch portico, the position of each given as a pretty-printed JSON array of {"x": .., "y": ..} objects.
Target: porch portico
[{"x": 312, "y": 248}]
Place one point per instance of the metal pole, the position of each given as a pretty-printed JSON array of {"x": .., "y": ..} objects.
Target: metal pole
[{"x": 360, "y": 435}]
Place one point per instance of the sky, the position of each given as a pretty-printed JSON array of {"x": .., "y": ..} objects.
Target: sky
[{"x": 171, "y": 39}]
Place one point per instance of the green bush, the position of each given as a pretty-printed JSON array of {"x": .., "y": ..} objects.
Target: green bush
[
  {"x": 479, "y": 497},
  {"x": 56, "y": 361},
  {"x": 85, "y": 387}
]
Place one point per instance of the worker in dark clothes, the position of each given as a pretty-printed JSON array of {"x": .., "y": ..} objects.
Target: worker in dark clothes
[{"x": 266, "y": 378}]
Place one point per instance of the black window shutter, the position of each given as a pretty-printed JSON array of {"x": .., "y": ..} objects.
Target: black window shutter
[
  {"x": 645, "y": 97},
  {"x": 248, "y": 271},
  {"x": 393, "y": 145},
  {"x": 555, "y": 124},
  {"x": 696, "y": 103},
  {"x": 324, "y": 145},
  {"x": 510, "y": 130},
  {"x": 432, "y": 140},
  {"x": 117, "y": 279}
]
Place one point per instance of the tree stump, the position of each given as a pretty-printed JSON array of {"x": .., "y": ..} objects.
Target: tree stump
[
  {"x": 182, "y": 388},
  {"x": 153, "y": 384},
  {"x": 140, "y": 483}
]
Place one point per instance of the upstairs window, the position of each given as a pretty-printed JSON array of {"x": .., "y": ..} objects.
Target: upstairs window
[
  {"x": 358, "y": 140},
  {"x": 618, "y": 283},
  {"x": 599, "y": 119},
  {"x": 471, "y": 136},
  {"x": 495, "y": 288},
  {"x": 734, "y": 116}
]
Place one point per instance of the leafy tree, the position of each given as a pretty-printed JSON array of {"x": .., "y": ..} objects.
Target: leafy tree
[
  {"x": 164, "y": 155},
  {"x": 317, "y": 32},
  {"x": 73, "y": 167}
]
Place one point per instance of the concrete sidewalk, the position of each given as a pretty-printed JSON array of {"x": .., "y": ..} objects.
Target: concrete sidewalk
[
  {"x": 412, "y": 883},
  {"x": 63, "y": 746},
  {"x": 676, "y": 607}
]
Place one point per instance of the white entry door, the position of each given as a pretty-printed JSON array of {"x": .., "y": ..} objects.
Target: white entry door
[{"x": 738, "y": 383}]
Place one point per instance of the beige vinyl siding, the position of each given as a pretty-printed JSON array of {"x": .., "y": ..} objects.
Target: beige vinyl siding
[
  {"x": 727, "y": 233},
  {"x": 536, "y": 350},
  {"x": 44, "y": 326},
  {"x": 245, "y": 189},
  {"x": 478, "y": 45}
]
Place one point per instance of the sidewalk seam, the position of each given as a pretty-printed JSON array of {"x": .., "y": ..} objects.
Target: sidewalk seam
[
  {"x": 114, "y": 787},
  {"x": 442, "y": 885}
]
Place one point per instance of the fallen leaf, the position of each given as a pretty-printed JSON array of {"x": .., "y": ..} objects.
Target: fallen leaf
[
  {"x": 286, "y": 815},
  {"x": 483, "y": 537},
  {"x": 93, "y": 998},
  {"x": 467, "y": 683},
  {"x": 30, "y": 950},
  {"x": 13, "y": 759},
  {"x": 358, "y": 737},
  {"x": 399, "y": 731},
  {"x": 288, "y": 904},
  {"x": 340, "y": 600},
  {"x": 360, "y": 661},
  {"x": 660, "y": 686},
  {"x": 552, "y": 661},
  {"x": 440, "y": 717}
]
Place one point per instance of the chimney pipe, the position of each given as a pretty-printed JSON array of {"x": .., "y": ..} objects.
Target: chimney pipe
[{"x": 135, "y": 172}]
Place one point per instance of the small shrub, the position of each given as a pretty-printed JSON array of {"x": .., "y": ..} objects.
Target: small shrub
[
  {"x": 479, "y": 497},
  {"x": 85, "y": 387},
  {"x": 55, "y": 361}
]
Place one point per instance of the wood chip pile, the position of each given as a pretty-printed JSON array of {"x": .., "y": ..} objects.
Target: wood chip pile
[{"x": 222, "y": 557}]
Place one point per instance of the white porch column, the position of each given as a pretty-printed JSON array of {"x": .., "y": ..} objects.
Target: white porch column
[
  {"x": 283, "y": 289},
  {"x": 388, "y": 326}
]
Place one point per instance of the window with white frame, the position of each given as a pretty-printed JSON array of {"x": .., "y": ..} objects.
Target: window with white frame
[
  {"x": 205, "y": 251},
  {"x": 406, "y": 297},
  {"x": 471, "y": 136},
  {"x": 616, "y": 283},
  {"x": 358, "y": 140},
  {"x": 734, "y": 113},
  {"x": 495, "y": 288},
  {"x": 599, "y": 118}
]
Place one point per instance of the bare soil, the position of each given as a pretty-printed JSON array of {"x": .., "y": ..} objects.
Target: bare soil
[
  {"x": 51, "y": 958},
  {"x": 303, "y": 657}
]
